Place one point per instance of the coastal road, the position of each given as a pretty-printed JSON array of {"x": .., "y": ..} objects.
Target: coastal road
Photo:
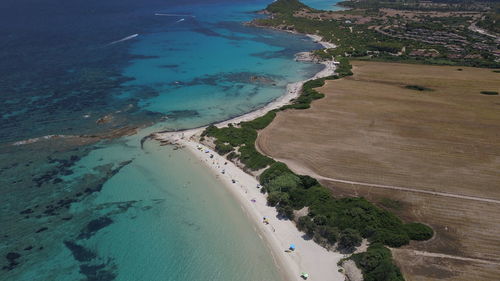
[{"x": 473, "y": 27}]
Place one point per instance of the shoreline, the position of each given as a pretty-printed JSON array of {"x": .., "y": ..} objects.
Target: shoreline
[
  {"x": 309, "y": 257},
  {"x": 279, "y": 233},
  {"x": 292, "y": 92}
]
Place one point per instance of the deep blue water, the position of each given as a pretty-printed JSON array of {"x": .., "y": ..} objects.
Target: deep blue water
[{"x": 95, "y": 205}]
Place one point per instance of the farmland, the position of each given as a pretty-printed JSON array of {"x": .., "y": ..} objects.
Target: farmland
[{"x": 421, "y": 127}]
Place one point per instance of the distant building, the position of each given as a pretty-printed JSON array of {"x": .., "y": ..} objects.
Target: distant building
[{"x": 424, "y": 53}]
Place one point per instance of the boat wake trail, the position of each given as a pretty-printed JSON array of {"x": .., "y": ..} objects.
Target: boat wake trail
[
  {"x": 181, "y": 20},
  {"x": 123, "y": 39},
  {"x": 173, "y": 15}
]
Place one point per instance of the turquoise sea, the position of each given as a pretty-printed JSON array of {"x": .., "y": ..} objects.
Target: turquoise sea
[{"x": 96, "y": 203}]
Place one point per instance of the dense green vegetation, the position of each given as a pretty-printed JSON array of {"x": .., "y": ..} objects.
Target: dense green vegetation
[
  {"x": 418, "y": 231},
  {"x": 349, "y": 239},
  {"x": 244, "y": 138},
  {"x": 376, "y": 264},
  {"x": 288, "y": 191},
  {"x": 307, "y": 96}
]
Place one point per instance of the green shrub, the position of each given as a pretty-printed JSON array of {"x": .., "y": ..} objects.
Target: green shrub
[
  {"x": 376, "y": 264},
  {"x": 329, "y": 233},
  {"x": 275, "y": 170},
  {"x": 306, "y": 225},
  {"x": 232, "y": 135},
  {"x": 232, "y": 155},
  {"x": 418, "y": 231},
  {"x": 349, "y": 239},
  {"x": 418, "y": 88},
  {"x": 253, "y": 159},
  {"x": 284, "y": 182},
  {"x": 276, "y": 197},
  {"x": 285, "y": 211},
  {"x": 320, "y": 220},
  {"x": 490, "y": 93},
  {"x": 308, "y": 181},
  {"x": 307, "y": 95},
  {"x": 223, "y": 148},
  {"x": 260, "y": 122},
  {"x": 391, "y": 237}
]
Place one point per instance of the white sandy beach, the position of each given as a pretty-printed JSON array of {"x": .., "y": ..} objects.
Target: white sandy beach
[
  {"x": 308, "y": 257},
  {"x": 278, "y": 234}
]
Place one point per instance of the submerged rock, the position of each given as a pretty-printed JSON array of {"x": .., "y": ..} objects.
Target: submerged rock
[{"x": 94, "y": 226}]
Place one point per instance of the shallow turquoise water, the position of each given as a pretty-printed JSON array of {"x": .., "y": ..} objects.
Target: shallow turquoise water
[
  {"x": 211, "y": 57},
  {"x": 172, "y": 220},
  {"x": 186, "y": 228},
  {"x": 328, "y": 5},
  {"x": 147, "y": 213}
]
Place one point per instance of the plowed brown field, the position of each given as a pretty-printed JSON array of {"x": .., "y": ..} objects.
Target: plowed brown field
[{"x": 371, "y": 129}]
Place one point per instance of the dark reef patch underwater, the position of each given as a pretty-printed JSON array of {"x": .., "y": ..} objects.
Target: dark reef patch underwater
[{"x": 58, "y": 77}]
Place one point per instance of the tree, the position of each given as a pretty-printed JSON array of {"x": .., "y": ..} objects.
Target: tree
[
  {"x": 320, "y": 220},
  {"x": 308, "y": 181},
  {"x": 306, "y": 225},
  {"x": 275, "y": 197},
  {"x": 377, "y": 265},
  {"x": 329, "y": 233},
  {"x": 275, "y": 170},
  {"x": 283, "y": 183},
  {"x": 392, "y": 238},
  {"x": 349, "y": 239},
  {"x": 285, "y": 211},
  {"x": 418, "y": 231}
]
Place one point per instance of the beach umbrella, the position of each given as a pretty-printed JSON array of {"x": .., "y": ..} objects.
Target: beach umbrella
[
  {"x": 305, "y": 275},
  {"x": 292, "y": 247}
]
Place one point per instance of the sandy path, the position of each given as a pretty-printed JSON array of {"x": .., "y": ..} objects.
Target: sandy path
[
  {"x": 299, "y": 169},
  {"x": 439, "y": 255},
  {"x": 475, "y": 28}
]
